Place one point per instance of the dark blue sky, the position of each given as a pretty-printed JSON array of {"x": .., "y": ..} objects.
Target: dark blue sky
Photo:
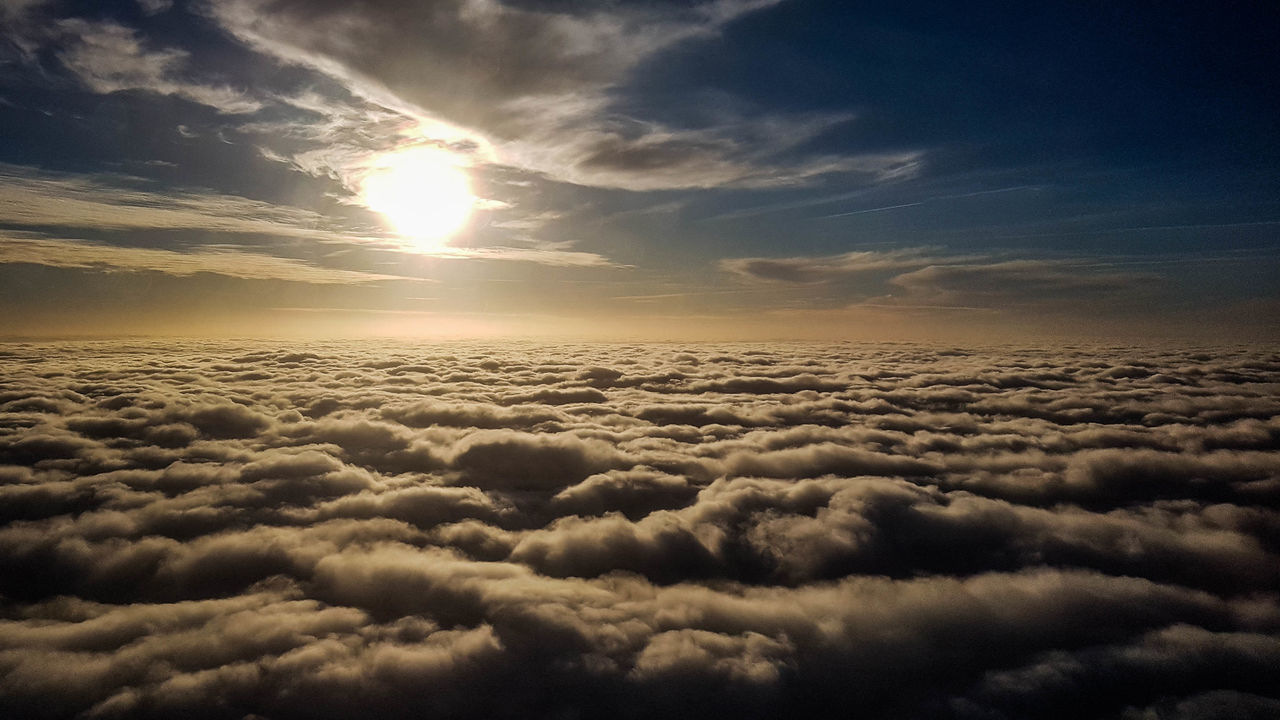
[{"x": 743, "y": 168}]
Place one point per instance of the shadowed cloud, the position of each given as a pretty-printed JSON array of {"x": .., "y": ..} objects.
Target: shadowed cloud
[{"x": 734, "y": 531}]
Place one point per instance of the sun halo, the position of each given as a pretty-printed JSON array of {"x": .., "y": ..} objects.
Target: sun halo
[{"x": 423, "y": 193}]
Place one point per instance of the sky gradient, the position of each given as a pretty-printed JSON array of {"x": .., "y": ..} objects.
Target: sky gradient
[{"x": 731, "y": 169}]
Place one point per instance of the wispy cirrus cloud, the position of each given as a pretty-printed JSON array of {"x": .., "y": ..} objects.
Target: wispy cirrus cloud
[
  {"x": 543, "y": 94},
  {"x": 65, "y": 253},
  {"x": 33, "y": 198},
  {"x": 108, "y": 57},
  {"x": 539, "y": 254},
  {"x": 427, "y": 55}
]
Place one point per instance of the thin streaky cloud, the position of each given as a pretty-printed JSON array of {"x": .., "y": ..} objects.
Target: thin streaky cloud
[
  {"x": 1141, "y": 228},
  {"x": 1227, "y": 256},
  {"x": 32, "y": 198},
  {"x": 69, "y": 253},
  {"x": 871, "y": 210},
  {"x": 926, "y": 201},
  {"x": 692, "y": 293},
  {"x": 909, "y": 306}
]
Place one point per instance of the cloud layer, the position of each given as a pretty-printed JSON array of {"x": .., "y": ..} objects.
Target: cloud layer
[{"x": 521, "y": 530}]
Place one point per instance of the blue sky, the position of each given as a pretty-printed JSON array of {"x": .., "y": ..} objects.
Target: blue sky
[{"x": 733, "y": 168}]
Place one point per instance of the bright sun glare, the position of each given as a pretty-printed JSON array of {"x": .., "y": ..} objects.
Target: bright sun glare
[{"x": 423, "y": 193}]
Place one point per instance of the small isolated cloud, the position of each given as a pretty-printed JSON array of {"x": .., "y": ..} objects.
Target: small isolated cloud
[
  {"x": 16, "y": 8},
  {"x": 108, "y": 57},
  {"x": 931, "y": 279},
  {"x": 1018, "y": 279},
  {"x": 155, "y": 7},
  {"x": 831, "y": 268}
]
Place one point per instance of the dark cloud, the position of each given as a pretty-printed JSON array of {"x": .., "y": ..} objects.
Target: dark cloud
[
  {"x": 547, "y": 82},
  {"x": 230, "y": 531},
  {"x": 429, "y": 54},
  {"x": 225, "y": 420},
  {"x": 523, "y": 461},
  {"x": 926, "y": 278},
  {"x": 830, "y": 268},
  {"x": 1026, "y": 279}
]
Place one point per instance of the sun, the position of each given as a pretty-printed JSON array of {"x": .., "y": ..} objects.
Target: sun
[{"x": 423, "y": 194}]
